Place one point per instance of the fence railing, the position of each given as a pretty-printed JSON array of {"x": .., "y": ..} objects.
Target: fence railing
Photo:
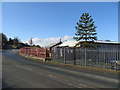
[
  {"x": 87, "y": 57},
  {"x": 37, "y": 52}
]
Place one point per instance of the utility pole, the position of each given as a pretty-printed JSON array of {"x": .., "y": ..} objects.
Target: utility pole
[{"x": 31, "y": 42}]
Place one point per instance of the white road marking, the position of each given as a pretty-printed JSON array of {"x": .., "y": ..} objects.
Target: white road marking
[
  {"x": 83, "y": 85},
  {"x": 28, "y": 68},
  {"x": 51, "y": 67},
  {"x": 86, "y": 74},
  {"x": 58, "y": 77},
  {"x": 24, "y": 67},
  {"x": 72, "y": 84},
  {"x": 51, "y": 75}
]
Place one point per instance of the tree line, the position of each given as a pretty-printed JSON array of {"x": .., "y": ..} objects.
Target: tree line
[{"x": 10, "y": 43}]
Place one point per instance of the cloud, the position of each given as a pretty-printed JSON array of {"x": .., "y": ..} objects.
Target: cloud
[
  {"x": 48, "y": 41},
  {"x": 67, "y": 37},
  {"x": 35, "y": 40},
  {"x": 52, "y": 39}
]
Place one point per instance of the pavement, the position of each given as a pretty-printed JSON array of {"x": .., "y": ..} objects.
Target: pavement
[{"x": 21, "y": 72}]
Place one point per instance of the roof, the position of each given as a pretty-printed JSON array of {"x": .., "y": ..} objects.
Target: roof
[
  {"x": 111, "y": 42},
  {"x": 72, "y": 43},
  {"x": 54, "y": 44},
  {"x": 50, "y": 45},
  {"x": 104, "y": 42},
  {"x": 69, "y": 43}
]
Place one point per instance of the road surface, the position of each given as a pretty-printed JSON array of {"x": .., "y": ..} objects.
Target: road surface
[{"x": 21, "y": 72}]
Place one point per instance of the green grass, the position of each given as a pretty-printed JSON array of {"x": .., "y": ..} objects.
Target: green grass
[{"x": 102, "y": 70}]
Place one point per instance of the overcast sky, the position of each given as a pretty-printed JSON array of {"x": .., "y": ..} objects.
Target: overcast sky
[{"x": 47, "y": 22}]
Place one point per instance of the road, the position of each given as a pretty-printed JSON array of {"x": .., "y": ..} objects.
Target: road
[{"x": 21, "y": 72}]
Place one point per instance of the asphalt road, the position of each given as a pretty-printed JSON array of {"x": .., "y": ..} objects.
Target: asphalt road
[{"x": 20, "y": 72}]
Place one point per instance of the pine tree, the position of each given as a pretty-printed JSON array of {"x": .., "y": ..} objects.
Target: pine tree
[{"x": 86, "y": 31}]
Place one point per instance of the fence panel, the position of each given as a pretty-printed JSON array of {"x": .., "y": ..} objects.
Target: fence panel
[
  {"x": 36, "y": 52},
  {"x": 89, "y": 57}
]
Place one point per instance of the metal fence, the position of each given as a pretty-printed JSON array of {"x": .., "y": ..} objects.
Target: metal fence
[{"x": 109, "y": 59}]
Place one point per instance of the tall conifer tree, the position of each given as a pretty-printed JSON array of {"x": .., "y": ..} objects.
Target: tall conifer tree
[{"x": 86, "y": 31}]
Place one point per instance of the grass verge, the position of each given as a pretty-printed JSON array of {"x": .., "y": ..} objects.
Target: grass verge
[{"x": 89, "y": 68}]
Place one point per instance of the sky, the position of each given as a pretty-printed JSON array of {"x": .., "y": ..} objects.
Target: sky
[
  {"x": 47, "y": 22},
  {"x": 119, "y": 22}
]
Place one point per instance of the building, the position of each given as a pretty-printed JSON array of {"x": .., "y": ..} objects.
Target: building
[
  {"x": 106, "y": 45},
  {"x": 103, "y": 55}
]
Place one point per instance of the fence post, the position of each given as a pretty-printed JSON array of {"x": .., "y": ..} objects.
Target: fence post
[
  {"x": 37, "y": 51},
  {"x": 45, "y": 53},
  {"x": 108, "y": 60},
  {"x": 117, "y": 60},
  {"x": 34, "y": 52},
  {"x": 20, "y": 50},
  {"x": 64, "y": 56},
  {"x": 28, "y": 52},
  {"x": 104, "y": 60},
  {"x": 74, "y": 56},
  {"x": 49, "y": 53},
  {"x": 85, "y": 57},
  {"x": 25, "y": 51},
  {"x": 31, "y": 52},
  {"x": 98, "y": 58}
]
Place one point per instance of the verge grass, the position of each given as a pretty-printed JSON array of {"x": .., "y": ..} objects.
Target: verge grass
[{"x": 89, "y": 68}]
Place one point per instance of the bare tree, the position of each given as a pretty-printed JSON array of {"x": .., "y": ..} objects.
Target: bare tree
[
  {"x": 15, "y": 41},
  {"x": 3, "y": 40}
]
